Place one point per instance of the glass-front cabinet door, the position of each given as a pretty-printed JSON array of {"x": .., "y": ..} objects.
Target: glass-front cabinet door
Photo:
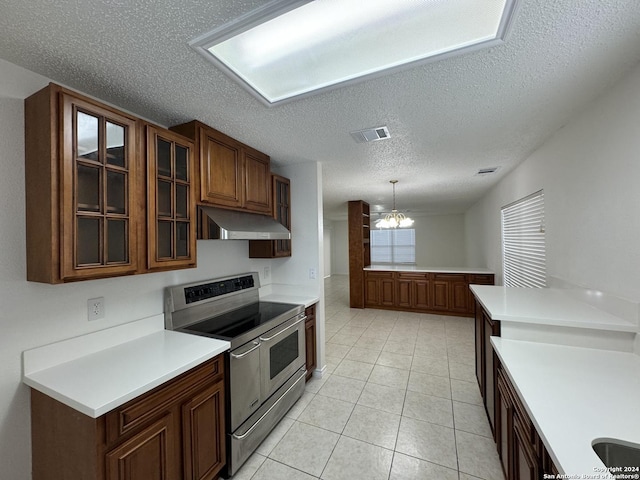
[
  {"x": 282, "y": 212},
  {"x": 98, "y": 225},
  {"x": 171, "y": 218}
]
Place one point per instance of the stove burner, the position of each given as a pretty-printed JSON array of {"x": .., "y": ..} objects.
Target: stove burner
[{"x": 237, "y": 322}]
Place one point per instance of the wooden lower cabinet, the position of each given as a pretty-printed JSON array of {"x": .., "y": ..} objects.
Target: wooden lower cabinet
[
  {"x": 441, "y": 294},
  {"x": 202, "y": 424},
  {"x": 477, "y": 279},
  {"x": 404, "y": 292},
  {"x": 379, "y": 289},
  {"x": 451, "y": 292},
  {"x": 147, "y": 455},
  {"x": 479, "y": 344},
  {"x": 525, "y": 461},
  {"x": 521, "y": 451},
  {"x": 175, "y": 431},
  {"x": 485, "y": 328},
  {"x": 520, "y": 448},
  {"x": 310, "y": 340},
  {"x": 491, "y": 329},
  {"x": 413, "y": 290},
  {"x": 424, "y": 292}
]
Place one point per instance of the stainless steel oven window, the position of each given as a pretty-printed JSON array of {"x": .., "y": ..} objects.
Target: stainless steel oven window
[{"x": 283, "y": 354}]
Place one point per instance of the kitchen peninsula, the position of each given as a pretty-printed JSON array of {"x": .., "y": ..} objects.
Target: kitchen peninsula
[
  {"x": 412, "y": 288},
  {"x": 423, "y": 289},
  {"x": 557, "y": 374}
]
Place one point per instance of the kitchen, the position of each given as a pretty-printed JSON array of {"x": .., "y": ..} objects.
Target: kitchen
[{"x": 588, "y": 170}]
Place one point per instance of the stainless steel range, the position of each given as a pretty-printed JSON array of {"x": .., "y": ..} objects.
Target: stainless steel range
[{"x": 266, "y": 362}]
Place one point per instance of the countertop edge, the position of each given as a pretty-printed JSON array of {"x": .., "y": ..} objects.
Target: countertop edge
[
  {"x": 608, "y": 321},
  {"x": 116, "y": 402},
  {"x": 306, "y": 300},
  {"x": 47, "y": 380},
  {"x": 409, "y": 269}
]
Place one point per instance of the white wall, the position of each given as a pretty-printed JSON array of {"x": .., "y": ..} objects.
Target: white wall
[
  {"x": 34, "y": 314},
  {"x": 590, "y": 173},
  {"x": 307, "y": 232},
  {"x": 440, "y": 242},
  {"x": 340, "y": 247},
  {"x": 327, "y": 251}
]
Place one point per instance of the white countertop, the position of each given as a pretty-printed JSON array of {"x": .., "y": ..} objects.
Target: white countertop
[
  {"x": 546, "y": 306},
  {"x": 306, "y": 300},
  {"x": 415, "y": 268},
  {"x": 285, "y": 293},
  {"x": 98, "y": 372},
  {"x": 575, "y": 396}
]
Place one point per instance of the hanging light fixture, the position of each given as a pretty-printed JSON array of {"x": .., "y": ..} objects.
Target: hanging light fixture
[{"x": 394, "y": 219}]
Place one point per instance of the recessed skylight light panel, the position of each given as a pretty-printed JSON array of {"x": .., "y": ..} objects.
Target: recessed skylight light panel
[{"x": 287, "y": 50}]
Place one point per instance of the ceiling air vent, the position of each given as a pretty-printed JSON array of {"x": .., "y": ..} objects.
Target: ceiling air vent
[
  {"x": 371, "y": 134},
  {"x": 487, "y": 171}
]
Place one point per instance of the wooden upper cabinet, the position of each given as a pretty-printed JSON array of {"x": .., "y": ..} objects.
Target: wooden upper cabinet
[
  {"x": 232, "y": 175},
  {"x": 257, "y": 181},
  {"x": 220, "y": 169},
  {"x": 106, "y": 193},
  {"x": 171, "y": 206},
  {"x": 81, "y": 178},
  {"x": 281, "y": 204}
]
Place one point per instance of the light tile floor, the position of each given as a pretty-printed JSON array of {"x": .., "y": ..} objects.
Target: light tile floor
[{"x": 399, "y": 401}]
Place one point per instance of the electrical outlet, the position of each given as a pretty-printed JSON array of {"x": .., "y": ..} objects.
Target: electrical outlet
[
  {"x": 95, "y": 308},
  {"x": 267, "y": 272},
  {"x": 312, "y": 273}
]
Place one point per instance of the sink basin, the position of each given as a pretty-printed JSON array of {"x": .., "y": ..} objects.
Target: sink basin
[{"x": 619, "y": 457}]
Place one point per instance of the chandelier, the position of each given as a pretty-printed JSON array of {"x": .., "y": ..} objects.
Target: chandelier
[{"x": 394, "y": 219}]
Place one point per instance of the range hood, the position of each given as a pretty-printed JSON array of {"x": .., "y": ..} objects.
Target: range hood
[{"x": 232, "y": 225}]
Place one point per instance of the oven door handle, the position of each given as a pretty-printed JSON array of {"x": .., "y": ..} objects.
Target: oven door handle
[
  {"x": 240, "y": 437},
  {"x": 266, "y": 339},
  {"x": 244, "y": 354}
]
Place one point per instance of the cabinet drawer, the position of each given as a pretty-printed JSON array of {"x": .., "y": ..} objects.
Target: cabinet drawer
[
  {"x": 450, "y": 277},
  {"x": 146, "y": 408},
  {"x": 371, "y": 274},
  {"x": 413, "y": 276},
  {"x": 481, "y": 279}
]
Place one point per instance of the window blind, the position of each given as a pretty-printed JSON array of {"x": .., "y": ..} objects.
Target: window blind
[
  {"x": 393, "y": 246},
  {"x": 523, "y": 242}
]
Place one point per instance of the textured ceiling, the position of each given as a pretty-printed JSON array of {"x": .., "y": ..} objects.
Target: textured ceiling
[{"x": 447, "y": 119}]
